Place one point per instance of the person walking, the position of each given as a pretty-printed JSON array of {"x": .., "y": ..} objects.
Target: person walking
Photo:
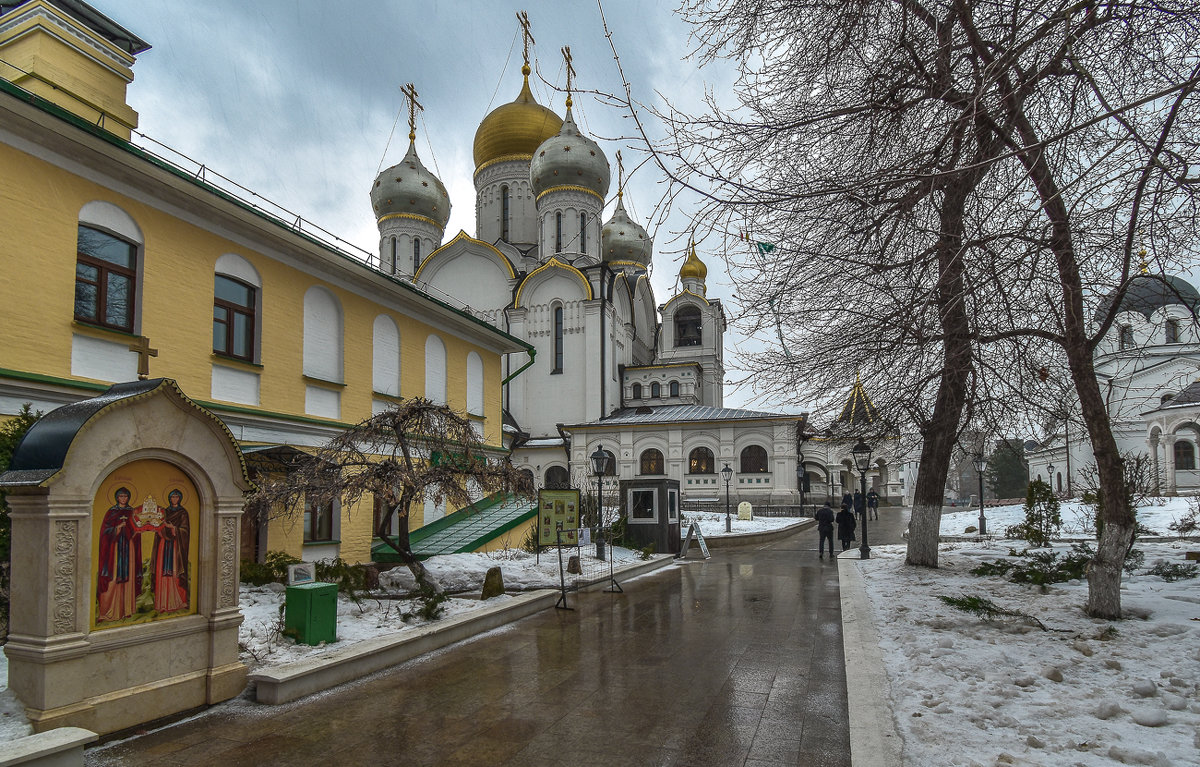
[
  {"x": 824, "y": 517},
  {"x": 873, "y": 503},
  {"x": 845, "y": 527},
  {"x": 847, "y": 501},
  {"x": 860, "y": 504}
]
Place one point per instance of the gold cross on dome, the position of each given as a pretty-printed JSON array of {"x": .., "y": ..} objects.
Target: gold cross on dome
[
  {"x": 523, "y": 20},
  {"x": 620, "y": 175},
  {"x": 410, "y": 91},
  {"x": 141, "y": 347},
  {"x": 566, "y": 52}
]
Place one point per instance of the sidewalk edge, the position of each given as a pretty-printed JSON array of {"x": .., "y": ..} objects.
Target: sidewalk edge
[{"x": 874, "y": 741}]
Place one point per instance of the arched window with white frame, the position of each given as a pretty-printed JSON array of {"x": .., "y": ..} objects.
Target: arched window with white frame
[
  {"x": 385, "y": 356},
  {"x": 474, "y": 383},
  {"x": 322, "y": 335},
  {"x": 435, "y": 370}
]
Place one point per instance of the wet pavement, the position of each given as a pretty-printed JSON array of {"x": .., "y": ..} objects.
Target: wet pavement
[{"x": 734, "y": 660}]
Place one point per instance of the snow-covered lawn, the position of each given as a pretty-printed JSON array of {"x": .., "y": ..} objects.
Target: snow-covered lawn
[
  {"x": 968, "y": 692},
  {"x": 1156, "y": 514}
]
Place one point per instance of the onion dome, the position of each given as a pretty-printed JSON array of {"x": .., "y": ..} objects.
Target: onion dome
[
  {"x": 693, "y": 268},
  {"x": 1147, "y": 293},
  {"x": 409, "y": 188},
  {"x": 623, "y": 239},
  {"x": 569, "y": 158},
  {"x": 515, "y": 129}
]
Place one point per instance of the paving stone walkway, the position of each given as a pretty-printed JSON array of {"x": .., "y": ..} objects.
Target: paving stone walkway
[{"x": 736, "y": 660}]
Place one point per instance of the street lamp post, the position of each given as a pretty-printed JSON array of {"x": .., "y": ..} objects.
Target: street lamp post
[
  {"x": 727, "y": 474},
  {"x": 599, "y": 466},
  {"x": 862, "y": 459},
  {"x": 800, "y": 479},
  {"x": 981, "y": 464},
  {"x": 1050, "y": 477}
]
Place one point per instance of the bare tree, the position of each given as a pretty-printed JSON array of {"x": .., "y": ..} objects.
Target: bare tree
[
  {"x": 410, "y": 452},
  {"x": 950, "y": 188}
]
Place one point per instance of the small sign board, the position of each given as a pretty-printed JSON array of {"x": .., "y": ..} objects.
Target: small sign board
[
  {"x": 745, "y": 511},
  {"x": 558, "y": 508},
  {"x": 301, "y": 573},
  {"x": 693, "y": 532}
]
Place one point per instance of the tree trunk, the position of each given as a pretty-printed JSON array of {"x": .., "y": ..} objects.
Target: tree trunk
[
  {"x": 940, "y": 432},
  {"x": 402, "y": 546},
  {"x": 1104, "y": 576}
]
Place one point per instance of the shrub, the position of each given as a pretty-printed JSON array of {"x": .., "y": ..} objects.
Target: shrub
[
  {"x": 1043, "y": 520},
  {"x": 1174, "y": 571},
  {"x": 273, "y": 570},
  {"x": 1188, "y": 524}
]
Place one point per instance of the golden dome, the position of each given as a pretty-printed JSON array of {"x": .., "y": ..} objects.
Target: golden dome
[
  {"x": 517, "y": 128},
  {"x": 693, "y": 267}
]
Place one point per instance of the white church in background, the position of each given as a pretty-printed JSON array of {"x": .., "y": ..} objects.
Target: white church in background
[
  {"x": 613, "y": 369},
  {"x": 1149, "y": 370}
]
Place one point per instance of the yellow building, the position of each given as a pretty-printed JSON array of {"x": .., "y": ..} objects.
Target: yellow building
[{"x": 283, "y": 335}]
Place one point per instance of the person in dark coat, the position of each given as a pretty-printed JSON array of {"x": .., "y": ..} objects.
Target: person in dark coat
[
  {"x": 847, "y": 501},
  {"x": 873, "y": 503},
  {"x": 824, "y": 517},
  {"x": 860, "y": 503},
  {"x": 845, "y": 527}
]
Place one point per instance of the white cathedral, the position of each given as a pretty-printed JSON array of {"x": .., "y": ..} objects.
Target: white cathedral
[
  {"x": 1148, "y": 365},
  {"x": 612, "y": 368}
]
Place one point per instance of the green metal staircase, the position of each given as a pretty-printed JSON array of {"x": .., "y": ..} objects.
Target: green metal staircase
[{"x": 465, "y": 530}]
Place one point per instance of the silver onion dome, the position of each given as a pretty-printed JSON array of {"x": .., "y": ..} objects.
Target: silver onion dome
[
  {"x": 569, "y": 159},
  {"x": 408, "y": 187}
]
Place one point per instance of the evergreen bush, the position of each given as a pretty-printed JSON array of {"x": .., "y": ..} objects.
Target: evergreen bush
[{"x": 1043, "y": 519}]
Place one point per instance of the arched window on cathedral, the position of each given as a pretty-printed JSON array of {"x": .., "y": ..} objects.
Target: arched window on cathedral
[
  {"x": 504, "y": 213},
  {"x": 392, "y": 263},
  {"x": 558, "y": 340},
  {"x": 655, "y": 390},
  {"x": 1125, "y": 336},
  {"x": 674, "y": 388},
  {"x": 557, "y": 478},
  {"x": 651, "y": 462},
  {"x": 700, "y": 461},
  {"x": 1172, "y": 331},
  {"x": 754, "y": 460},
  {"x": 558, "y": 232},
  {"x": 416, "y": 254},
  {"x": 1185, "y": 455},
  {"x": 687, "y": 327},
  {"x": 637, "y": 391},
  {"x": 583, "y": 233}
]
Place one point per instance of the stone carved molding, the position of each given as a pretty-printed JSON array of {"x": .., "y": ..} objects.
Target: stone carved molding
[
  {"x": 66, "y": 539},
  {"x": 227, "y": 553}
]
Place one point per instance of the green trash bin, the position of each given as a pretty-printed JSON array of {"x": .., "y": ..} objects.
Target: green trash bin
[{"x": 310, "y": 613}]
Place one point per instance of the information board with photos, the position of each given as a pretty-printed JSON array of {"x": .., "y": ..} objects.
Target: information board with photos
[{"x": 557, "y": 507}]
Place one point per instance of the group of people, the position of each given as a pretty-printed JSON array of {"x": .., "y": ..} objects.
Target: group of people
[{"x": 844, "y": 519}]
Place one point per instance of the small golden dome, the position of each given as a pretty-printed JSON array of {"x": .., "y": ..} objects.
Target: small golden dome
[
  {"x": 516, "y": 128},
  {"x": 693, "y": 267}
]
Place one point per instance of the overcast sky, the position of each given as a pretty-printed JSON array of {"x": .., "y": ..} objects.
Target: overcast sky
[{"x": 300, "y": 100}]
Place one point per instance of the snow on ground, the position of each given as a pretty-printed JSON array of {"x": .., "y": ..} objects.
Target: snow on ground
[
  {"x": 1155, "y": 514},
  {"x": 970, "y": 693},
  {"x": 966, "y": 692}
]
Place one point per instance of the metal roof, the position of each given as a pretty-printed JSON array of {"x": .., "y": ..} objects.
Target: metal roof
[{"x": 682, "y": 414}]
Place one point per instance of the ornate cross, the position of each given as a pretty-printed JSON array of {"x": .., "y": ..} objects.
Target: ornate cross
[
  {"x": 523, "y": 20},
  {"x": 620, "y": 176},
  {"x": 410, "y": 91},
  {"x": 141, "y": 347},
  {"x": 566, "y": 52}
]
